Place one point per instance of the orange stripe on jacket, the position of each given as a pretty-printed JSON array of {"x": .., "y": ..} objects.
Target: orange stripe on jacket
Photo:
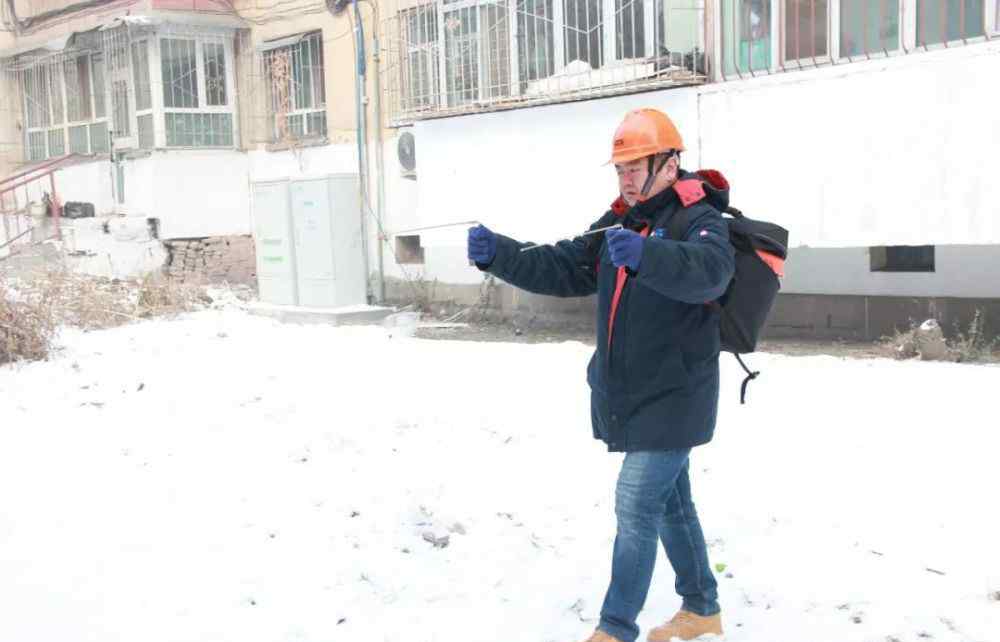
[{"x": 619, "y": 286}]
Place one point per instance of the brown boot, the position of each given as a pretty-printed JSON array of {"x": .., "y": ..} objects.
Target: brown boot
[
  {"x": 601, "y": 636},
  {"x": 687, "y": 626}
]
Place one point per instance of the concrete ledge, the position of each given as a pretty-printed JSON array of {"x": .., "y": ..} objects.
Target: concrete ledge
[
  {"x": 353, "y": 315},
  {"x": 823, "y": 317}
]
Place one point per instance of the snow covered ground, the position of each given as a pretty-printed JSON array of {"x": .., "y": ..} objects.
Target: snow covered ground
[{"x": 226, "y": 478}]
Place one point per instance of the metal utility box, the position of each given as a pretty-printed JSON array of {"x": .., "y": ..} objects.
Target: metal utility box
[{"x": 309, "y": 242}]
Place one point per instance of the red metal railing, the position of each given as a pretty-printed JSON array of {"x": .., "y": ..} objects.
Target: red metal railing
[{"x": 18, "y": 185}]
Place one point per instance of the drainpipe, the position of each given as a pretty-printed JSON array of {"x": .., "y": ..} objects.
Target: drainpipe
[
  {"x": 379, "y": 160},
  {"x": 360, "y": 84}
]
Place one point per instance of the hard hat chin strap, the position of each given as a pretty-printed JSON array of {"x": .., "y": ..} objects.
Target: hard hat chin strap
[{"x": 655, "y": 168}]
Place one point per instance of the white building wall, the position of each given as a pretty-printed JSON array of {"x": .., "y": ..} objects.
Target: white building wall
[
  {"x": 193, "y": 193},
  {"x": 959, "y": 271},
  {"x": 890, "y": 152}
]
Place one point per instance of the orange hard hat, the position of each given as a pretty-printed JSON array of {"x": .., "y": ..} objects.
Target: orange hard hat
[{"x": 644, "y": 132}]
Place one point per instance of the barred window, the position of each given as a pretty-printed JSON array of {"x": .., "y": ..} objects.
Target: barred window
[
  {"x": 296, "y": 87},
  {"x": 196, "y": 96},
  {"x": 467, "y": 54},
  {"x": 63, "y": 99}
]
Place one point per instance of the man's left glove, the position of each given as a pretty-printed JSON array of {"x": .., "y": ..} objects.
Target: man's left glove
[{"x": 625, "y": 247}]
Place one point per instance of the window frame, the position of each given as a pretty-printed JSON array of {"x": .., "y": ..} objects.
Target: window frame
[
  {"x": 160, "y": 110},
  {"x": 918, "y": 43},
  {"x": 57, "y": 68},
  {"x": 831, "y": 33},
  {"x": 316, "y": 41},
  {"x": 611, "y": 43},
  {"x": 907, "y": 38}
]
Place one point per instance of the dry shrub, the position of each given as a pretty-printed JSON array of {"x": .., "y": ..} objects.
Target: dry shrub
[
  {"x": 971, "y": 346},
  {"x": 26, "y": 327},
  {"x": 31, "y": 311}
]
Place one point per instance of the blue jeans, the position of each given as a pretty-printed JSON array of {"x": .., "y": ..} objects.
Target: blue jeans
[{"x": 653, "y": 501}]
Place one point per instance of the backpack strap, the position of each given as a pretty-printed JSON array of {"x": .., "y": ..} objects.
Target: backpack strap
[{"x": 751, "y": 375}]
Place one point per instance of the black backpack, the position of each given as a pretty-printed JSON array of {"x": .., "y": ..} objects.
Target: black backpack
[{"x": 750, "y": 296}]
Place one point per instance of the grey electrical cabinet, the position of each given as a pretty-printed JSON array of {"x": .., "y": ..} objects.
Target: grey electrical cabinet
[{"x": 308, "y": 237}]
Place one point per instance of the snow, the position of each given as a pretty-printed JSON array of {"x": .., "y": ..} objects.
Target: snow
[{"x": 223, "y": 477}]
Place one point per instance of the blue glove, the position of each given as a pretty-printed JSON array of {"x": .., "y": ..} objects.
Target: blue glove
[
  {"x": 482, "y": 245},
  {"x": 625, "y": 247}
]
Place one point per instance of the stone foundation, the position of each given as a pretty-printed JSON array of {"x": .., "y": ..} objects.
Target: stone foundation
[{"x": 212, "y": 260}]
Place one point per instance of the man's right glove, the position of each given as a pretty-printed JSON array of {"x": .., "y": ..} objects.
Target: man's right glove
[{"x": 482, "y": 245}]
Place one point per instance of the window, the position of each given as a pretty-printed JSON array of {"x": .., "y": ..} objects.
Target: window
[
  {"x": 746, "y": 36},
  {"x": 868, "y": 27},
  {"x": 97, "y": 73},
  {"x": 196, "y": 94},
  {"x": 940, "y": 21},
  {"x": 472, "y": 53},
  {"x": 420, "y": 60},
  {"x": 64, "y": 106},
  {"x": 536, "y": 37},
  {"x": 477, "y": 53},
  {"x": 806, "y": 30},
  {"x": 140, "y": 76},
  {"x": 78, "y": 92},
  {"x": 583, "y": 32},
  {"x": 297, "y": 88},
  {"x": 143, "y": 95},
  {"x": 902, "y": 258}
]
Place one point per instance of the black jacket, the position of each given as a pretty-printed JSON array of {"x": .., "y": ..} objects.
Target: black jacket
[{"x": 655, "y": 385}]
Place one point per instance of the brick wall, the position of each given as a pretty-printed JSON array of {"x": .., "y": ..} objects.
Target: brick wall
[{"x": 212, "y": 260}]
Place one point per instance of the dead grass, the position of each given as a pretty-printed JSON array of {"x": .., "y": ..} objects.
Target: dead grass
[
  {"x": 971, "y": 345},
  {"x": 26, "y": 329},
  {"x": 31, "y": 311}
]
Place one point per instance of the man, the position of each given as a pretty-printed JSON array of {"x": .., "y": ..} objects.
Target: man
[{"x": 654, "y": 376}]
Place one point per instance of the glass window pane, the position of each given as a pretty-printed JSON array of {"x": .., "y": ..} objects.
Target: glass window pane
[
  {"x": 746, "y": 35},
  {"x": 36, "y": 146},
  {"x": 496, "y": 49},
  {"x": 56, "y": 94},
  {"x": 419, "y": 73},
  {"x": 941, "y": 20},
  {"x": 295, "y": 125},
  {"x": 215, "y": 73},
  {"x": 36, "y": 96},
  {"x": 536, "y": 40},
  {"x": 583, "y": 32},
  {"x": 99, "y": 138},
  {"x": 77, "y": 76},
  {"x": 805, "y": 29},
  {"x": 630, "y": 29},
  {"x": 868, "y": 26},
  {"x": 180, "y": 73},
  {"x": 461, "y": 29},
  {"x": 57, "y": 143},
  {"x": 146, "y": 140},
  {"x": 318, "y": 81},
  {"x": 78, "y": 140},
  {"x": 97, "y": 69},
  {"x": 316, "y": 123},
  {"x": 199, "y": 130},
  {"x": 302, "y": 75},
  {"x": 140, "y": 75},
  {"x": 121, "y": 108}
]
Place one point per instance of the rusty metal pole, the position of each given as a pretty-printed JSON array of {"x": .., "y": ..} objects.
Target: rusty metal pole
[{"x": 54, "y": 204}]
